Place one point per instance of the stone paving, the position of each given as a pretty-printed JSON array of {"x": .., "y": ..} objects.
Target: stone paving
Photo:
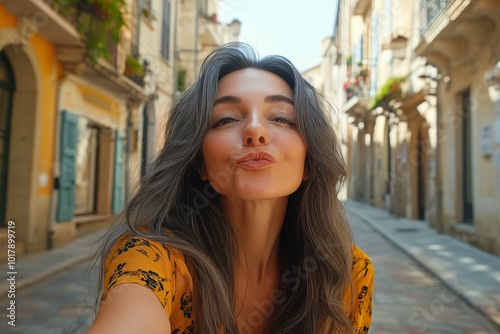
[
  {"x": 61, "y": 304},
  {"x": 407, "y": 298},
  {"x": 469, "y": 272}
]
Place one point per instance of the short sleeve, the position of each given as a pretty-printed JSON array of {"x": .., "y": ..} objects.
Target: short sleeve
[
  {"x": 363, "y": 280},
  {"x": 140, "y": 261}
]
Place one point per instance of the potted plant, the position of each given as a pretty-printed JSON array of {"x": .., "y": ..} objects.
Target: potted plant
[
  {"x": 134, "y": 70},
  {"x": 351, "y": 87}
]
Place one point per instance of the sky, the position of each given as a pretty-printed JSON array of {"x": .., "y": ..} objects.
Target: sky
[{"x": 293, "y": 28}]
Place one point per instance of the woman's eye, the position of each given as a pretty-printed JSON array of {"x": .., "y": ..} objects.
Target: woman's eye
[
  {"x": 284, "y": 120},
  {"x": 223, "y": 121}
]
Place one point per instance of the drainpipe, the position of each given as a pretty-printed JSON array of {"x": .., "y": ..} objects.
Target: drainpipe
[
  {"x": 138, "y": 28},
  {"x": 176, "y": 52},
  {"x": 196, "y": 28}
]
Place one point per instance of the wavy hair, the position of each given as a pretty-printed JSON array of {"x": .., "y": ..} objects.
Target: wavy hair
[{"x": 174, "y": 206}]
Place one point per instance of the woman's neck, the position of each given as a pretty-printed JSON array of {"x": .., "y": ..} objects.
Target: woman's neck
[{"x": 257, "y": 225}]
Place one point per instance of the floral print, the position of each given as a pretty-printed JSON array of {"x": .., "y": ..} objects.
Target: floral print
[{"x": 164, "y": 271}]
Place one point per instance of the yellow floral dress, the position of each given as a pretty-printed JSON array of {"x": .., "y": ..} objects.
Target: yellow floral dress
[{"x": 163, "y": 270}]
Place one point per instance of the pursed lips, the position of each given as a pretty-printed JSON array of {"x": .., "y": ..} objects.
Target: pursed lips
[{"x": 256, "y": 160}]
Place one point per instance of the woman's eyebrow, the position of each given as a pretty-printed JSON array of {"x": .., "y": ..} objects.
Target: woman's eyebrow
[
  {"x": 268, "y": 99},
  {"x": 227, "y": 99},
  {"x": 279, "y": 98}
]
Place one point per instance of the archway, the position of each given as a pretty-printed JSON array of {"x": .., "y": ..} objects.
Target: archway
[
  {"x": 7, "y": 89},
  {"x": 22, "y": 164}
]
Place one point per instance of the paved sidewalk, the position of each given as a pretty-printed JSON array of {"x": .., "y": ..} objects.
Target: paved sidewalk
[
  {"x": 472, "y": 274},
  {"x": 33, "y": 268}
]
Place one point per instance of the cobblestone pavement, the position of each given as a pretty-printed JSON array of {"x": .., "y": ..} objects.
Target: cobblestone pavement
[
  {"x": 61, "y": 304},
  {"x": 407, "y": 299}
]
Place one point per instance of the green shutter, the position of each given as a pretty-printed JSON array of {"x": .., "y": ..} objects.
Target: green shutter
[
  {"x": 67, "y": 167},
  {"x": 117, "y": 205}
]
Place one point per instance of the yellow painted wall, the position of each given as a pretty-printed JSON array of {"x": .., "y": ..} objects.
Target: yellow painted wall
[
  {"x": 78, "y": 97},
  {"x": 50, "y": 70}
]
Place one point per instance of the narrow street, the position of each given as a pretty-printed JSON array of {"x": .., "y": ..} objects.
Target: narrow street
[{"x": 407, "y": 299}]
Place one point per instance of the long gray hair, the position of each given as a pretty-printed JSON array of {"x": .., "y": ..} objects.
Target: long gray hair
[{"x": 315, "y": 239}]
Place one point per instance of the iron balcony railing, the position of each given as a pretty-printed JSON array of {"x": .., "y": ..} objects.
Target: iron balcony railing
[{"x": 430, "y": 10}]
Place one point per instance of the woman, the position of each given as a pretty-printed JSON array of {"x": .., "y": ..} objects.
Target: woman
[{"x": 237, "y": 228}]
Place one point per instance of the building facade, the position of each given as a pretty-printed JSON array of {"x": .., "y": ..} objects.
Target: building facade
[
  {"x": 82, "y": 111},
  {"x": 200, "y": 32},
  {"x": 421, "y": 94},
  {"x": 64, "y": 112}
]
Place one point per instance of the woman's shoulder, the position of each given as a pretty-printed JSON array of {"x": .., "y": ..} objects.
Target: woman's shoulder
[
  {"x": 148, "y": 254},
  {"x": 358, "y": 253},
  {"x": 361, "y": 263},
  {"x": 155, "y": 265}
]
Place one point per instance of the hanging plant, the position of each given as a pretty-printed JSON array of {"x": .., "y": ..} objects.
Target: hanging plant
[
  {"x": 390, "y": 87},
  {"x": 97, "y": 20}
]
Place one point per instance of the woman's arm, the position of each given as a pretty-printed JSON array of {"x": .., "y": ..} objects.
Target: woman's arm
[{"x": 129, "y": 309}]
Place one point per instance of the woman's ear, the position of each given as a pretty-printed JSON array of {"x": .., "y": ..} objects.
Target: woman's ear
[
  {"x": 202, "y": 171},
  {"x": 305, "y": 177}
]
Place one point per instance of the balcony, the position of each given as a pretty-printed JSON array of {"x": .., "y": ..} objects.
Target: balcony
[
  {"x": 86, "y": 35},
  {"x": 357, "y": 90},
  {"x": 451, "y": 29},
  {"x": 430, "y": 10},
  {"x": 211, "y": 32},
  {"x": 354, "y": 87},
  {"x": 41, "y": 17}
]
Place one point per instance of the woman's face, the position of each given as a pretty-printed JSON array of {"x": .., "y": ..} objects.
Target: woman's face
[{"x": 253, "y": 149}]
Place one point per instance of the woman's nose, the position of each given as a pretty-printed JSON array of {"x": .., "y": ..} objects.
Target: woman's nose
[
  {"x": 255, "y": 133},
  {"x": 250, "y": 140}
]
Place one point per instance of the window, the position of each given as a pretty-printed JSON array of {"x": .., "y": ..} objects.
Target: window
[
  {"x": 165, "y": 40},
  {"x": 86, "y": 167}
]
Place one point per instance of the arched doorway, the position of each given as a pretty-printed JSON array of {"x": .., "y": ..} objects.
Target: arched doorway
[
  {"x": 7, "y": 88},
  {"x": 23, "y": 146}
]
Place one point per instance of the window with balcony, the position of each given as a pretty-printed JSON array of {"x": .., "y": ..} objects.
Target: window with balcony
[{"x": 429, "y": 12}]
